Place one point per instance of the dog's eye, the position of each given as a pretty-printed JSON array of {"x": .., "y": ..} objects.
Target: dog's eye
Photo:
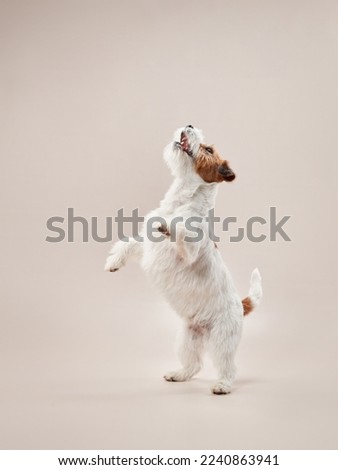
[{"x": 209, "y": 149}]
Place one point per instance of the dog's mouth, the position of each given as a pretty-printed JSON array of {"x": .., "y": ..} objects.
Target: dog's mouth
[{"x": 184, "y": 144}]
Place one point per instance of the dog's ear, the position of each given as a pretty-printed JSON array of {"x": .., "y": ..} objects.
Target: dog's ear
[{"x": 226, "y": 172}]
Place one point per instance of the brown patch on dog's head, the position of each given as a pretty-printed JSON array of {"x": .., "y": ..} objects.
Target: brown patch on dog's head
[{"x": 210, "y": 166}]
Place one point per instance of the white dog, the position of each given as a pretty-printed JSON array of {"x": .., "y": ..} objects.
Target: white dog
[{"x": 187, "y": 266}]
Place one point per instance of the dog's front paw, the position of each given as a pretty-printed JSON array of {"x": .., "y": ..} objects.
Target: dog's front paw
[
  {"x": 113, "y": 263},
  {"x": 221, "y": 388},
  {"x": 162, "y": 228}
]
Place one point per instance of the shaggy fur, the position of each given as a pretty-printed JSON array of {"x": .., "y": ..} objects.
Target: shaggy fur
[{"x": 191, "y": 274}]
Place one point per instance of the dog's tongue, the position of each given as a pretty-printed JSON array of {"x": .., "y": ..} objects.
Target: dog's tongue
[{"x": 184, "y": 142}]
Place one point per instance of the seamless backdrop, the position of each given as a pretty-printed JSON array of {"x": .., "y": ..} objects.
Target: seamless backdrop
[{"x": 91, "y": 91}]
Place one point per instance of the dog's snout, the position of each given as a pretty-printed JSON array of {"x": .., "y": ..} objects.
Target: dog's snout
[{"x": 189, "y": 125}]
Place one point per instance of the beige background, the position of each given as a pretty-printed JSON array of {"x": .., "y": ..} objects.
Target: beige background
[{"x": 91, "y": 91}]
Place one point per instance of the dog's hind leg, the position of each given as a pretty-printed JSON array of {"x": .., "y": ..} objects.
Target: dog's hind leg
[
  {"x": 121, "y": 252},
  {"x": 223, "y": 342},
  {"x": 190, "y": 353}
]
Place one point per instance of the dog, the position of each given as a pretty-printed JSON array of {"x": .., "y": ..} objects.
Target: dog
[{"x": 185, "y": 264}]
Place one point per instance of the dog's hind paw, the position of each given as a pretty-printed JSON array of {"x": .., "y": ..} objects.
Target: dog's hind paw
[
  {"x": 177, "y": 376},
  {"x": 221, "y": 388}
]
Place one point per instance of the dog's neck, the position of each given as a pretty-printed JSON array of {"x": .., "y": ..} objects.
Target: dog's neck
[{"x": 196, "y": 198}]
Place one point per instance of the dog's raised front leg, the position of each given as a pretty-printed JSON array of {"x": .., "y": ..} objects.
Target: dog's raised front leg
[
  {"x": 187, "y": 242},
  {"x": 190, "y": 353},
  {"x": 121, "y": 252}
]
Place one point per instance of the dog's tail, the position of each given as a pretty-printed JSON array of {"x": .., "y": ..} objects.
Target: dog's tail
[{"x": 255, "y": 292}]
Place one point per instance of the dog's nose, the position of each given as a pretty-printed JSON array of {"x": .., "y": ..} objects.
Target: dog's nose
[{"x": 189, "y": 125}]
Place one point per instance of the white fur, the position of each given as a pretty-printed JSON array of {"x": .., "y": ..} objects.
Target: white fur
[{"x": 192, "y": 275}]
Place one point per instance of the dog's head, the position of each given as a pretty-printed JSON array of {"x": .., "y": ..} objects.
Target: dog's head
[{"x": 189, "y": 157}]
